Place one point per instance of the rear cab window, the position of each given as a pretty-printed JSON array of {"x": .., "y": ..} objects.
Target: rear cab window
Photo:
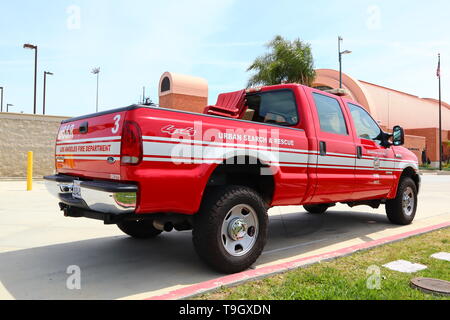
[{"x": 276, "y": 107}]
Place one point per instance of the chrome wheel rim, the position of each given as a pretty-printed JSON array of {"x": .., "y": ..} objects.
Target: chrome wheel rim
[
  {"x": 239, "y": 230},
  {"x": 408, "y": 201}
]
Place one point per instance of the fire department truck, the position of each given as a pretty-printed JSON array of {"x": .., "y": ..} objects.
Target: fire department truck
[{"x": 151, "y": 170}]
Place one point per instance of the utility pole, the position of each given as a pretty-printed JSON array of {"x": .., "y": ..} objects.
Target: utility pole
[{"x": 35, "y": 48}]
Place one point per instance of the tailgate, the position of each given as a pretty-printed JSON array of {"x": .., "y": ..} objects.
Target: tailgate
[{"x": 90, "y": 146}]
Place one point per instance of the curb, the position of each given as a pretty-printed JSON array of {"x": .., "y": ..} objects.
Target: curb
[
  {"x": 434, "y": 173},
  {"x": 6, "y": 179},
  {"x": 236, "y": 279}
]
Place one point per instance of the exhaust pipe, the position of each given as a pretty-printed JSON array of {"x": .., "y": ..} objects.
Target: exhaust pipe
[{"x": 161, "y": 226}]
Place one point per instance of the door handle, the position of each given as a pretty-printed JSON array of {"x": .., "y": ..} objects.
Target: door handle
[
  {"x": 359, "y": 152},
  {"x": 323, "y": 148}
]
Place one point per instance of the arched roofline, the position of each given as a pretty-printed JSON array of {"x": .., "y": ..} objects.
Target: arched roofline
[{"x": 356, "y": 91}]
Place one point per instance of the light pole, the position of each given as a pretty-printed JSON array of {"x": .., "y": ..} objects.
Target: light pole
[
  {"x": 8, "y": 105},
  {"x": 143, "y": 95},
  {"x": 340, "y": 39},
  {"x": 1, "y": 105},
  {"x": 35, "y": 48},
  {"x": 45, "y": 85},
  {"x": 97, "y": 72},
  {"x": 440, "y": 113}
]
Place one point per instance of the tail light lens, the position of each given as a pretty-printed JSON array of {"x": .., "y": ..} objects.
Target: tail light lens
[{"x": 131, "y": 148}]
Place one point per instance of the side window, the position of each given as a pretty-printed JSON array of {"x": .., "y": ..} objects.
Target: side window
[
  {"x": 330, "y": 115},
  {"x": 366, "y": 127},
  {"x": 277, "y": 107}
]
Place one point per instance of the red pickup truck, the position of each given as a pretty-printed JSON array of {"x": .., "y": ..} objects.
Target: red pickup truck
[{"x": 151, "y": 170}]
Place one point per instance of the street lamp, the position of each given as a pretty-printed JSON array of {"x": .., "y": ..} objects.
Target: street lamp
[
  {"x": 97, "y": 72},
  {"x": 8, "y": 105},
  {"x": 1, "y": 97},
  {"x": 340, "y": 39},
  {"x": 45, "y": 85},
  {"x": 35, "y": 48}
]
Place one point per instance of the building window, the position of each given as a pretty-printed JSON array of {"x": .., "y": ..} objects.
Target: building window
[
  {"x": 330, "y": 115},
  {"x": 165, "y": 85}
]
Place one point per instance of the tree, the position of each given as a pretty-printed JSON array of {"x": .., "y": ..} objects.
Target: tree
[{"x": 287, "y": 62}]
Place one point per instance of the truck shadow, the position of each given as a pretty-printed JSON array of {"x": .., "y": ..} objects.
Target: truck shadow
[{"x": 115, "y": 267}]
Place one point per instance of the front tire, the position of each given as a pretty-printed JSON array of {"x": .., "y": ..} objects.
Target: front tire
[
  {"x": 230, "y": 230},
  {"x": 142, "y": 229},
  {"x": 402, "y": 209}
]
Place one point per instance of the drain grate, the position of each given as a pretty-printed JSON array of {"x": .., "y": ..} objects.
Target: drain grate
[{"x": 429, "y": 285}]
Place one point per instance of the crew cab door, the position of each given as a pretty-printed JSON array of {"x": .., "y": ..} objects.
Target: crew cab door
[
  {"x": 336, "y": 149},
  {"x": 374, "y": 162}
]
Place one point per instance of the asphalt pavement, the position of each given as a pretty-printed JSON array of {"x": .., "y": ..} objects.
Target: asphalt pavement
[{"x": 40, "y": 248}]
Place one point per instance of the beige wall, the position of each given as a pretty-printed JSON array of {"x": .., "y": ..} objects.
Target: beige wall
[
  {"x": 408, "y": 111},
  {"x": 418, "y": 116},
  {"x": 416, "y": 144},
  {"x": 391, "y": 107},
  {"x": 20, "y": 133},
  {"x": 432, "y": 138}
]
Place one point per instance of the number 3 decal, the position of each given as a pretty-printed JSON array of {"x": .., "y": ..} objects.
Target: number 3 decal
[{"x": 116, "y": 124}]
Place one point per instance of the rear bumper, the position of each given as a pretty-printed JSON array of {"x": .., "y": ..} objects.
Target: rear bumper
[{"x": 97, "y": 196}]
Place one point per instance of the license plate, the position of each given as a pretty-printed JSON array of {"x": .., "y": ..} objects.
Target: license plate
[{"x": 76, "y": 191}]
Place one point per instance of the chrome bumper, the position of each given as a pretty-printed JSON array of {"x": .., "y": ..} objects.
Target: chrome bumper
[{"x": 99, "y": 196}]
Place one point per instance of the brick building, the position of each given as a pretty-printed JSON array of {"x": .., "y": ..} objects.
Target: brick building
[
  {"x": 183, "y": 92},
  {"x": 418, "y": 116}
]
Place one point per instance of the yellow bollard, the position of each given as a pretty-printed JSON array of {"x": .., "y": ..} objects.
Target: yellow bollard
[{"x": 30, "y": 171}]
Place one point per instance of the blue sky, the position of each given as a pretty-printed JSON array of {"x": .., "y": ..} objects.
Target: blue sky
[{"x": 394, "y": 43}]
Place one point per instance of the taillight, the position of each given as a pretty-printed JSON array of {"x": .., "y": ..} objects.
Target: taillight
[{"x": 131, "y": 149}]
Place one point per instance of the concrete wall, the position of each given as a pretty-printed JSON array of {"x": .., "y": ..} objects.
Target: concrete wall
[{"x": 20, "y": 133}]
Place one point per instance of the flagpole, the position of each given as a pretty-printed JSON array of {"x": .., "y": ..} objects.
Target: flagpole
[{"x": 440, "y": 116}]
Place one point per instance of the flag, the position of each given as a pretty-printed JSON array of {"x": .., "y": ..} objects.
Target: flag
[{"x": 438, "y": 72}]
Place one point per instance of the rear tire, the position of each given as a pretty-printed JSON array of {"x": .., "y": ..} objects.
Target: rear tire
[
  {"x": 316, "y": 209},
  {"x": 230, "y": 230},
  {"x": 402, "y": 209},
  {"x": 142, "y": 229}
]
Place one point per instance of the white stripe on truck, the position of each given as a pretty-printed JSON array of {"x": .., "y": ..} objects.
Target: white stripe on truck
[
  {"x": 163, "y": 149},
  {"x": 115, "y": 138}
]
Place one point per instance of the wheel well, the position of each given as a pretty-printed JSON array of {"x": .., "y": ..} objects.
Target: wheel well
[
  {"x": 245, "y": 171},
  {"x": 411, "y": 173}
]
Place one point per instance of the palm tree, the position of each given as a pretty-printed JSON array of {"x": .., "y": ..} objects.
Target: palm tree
[{"x": 287, "y": 62}]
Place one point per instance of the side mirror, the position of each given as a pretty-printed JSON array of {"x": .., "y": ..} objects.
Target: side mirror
[{"x": 398, "y": 136}]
